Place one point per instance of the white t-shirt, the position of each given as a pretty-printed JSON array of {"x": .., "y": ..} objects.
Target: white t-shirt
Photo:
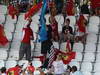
[
  {"x": 58, "y": 67},
  {"x": 76, "y": 73},
  {"x": 3, "y": 74}
]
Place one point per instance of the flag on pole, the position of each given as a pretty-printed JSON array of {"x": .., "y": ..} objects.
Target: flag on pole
[
  {"x": 43, "y": 32},
  {"x": 33, "y": 10}
]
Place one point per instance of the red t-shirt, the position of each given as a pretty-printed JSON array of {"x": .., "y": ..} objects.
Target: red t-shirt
[
  {"x": 28, "y": 35},
  {"x": 14, "y": 71},
  {"x": 81, "y": 25}
]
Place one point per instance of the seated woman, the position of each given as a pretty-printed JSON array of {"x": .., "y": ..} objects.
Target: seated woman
[
  {"x": 81, "y": 31},
  {"x": 54, "y": 25}
]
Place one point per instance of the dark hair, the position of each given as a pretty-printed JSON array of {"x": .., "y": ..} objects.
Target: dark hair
[
  {"x": 3, "y": 70},
  {"x": 74, "y": 68},
  {"x": 68, "y": 19}
]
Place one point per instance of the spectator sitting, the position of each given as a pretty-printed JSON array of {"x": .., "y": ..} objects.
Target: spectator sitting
[
  {"x": 67, "y": 33},
  {"x": 81, "y": 30},
  {"x": 74, "y": 71},
  {"x": 25, "y": 48},
  {"x": 54, "y": 25}
]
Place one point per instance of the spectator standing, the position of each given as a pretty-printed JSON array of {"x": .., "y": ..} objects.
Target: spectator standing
[
  {"x": 25, "y": 47},
  {"x": 46, "y": 45}
]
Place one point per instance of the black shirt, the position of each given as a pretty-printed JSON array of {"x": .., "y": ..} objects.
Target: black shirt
[{"x": 67, "y": 28}]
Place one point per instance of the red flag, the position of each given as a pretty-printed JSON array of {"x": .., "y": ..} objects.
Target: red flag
[
  {"x": 33, "y": 10},
  {"x": 81, "y": 25},
  {"x": 68, "y": 46},
  {"x": 67, "y": 57},
  {"x": 12, "y": 11},
  {"x": 3, "y": 39}
]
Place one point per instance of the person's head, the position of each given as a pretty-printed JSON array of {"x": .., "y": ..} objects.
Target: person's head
[
  {"x": 3, "y": 70},
  {"x": 74, "y": 69},
  {"x": 67, "y": 21}
]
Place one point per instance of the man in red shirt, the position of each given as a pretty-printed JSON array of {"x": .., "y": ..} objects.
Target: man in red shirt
[{"x": 25, "y": 47}]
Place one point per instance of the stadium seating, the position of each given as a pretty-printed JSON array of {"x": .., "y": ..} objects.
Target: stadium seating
[
  {"x": 86, "y": 67},
  {"x": 89, "y": 57},
  {"x": 10, "y": 64},
  {"x": 96, "y": 67},
  {"x": 92, "y": 38},
  {"x": 2, "y": 63},
  {"x": 86, "y": 54},
  {"x": 90, "y": 47},
  {"x": 78, "y": 47},
  {"x": 98, "y": 57}
]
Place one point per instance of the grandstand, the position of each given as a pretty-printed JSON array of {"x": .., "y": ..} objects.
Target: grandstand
[{"x": 87, "y": 55}]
